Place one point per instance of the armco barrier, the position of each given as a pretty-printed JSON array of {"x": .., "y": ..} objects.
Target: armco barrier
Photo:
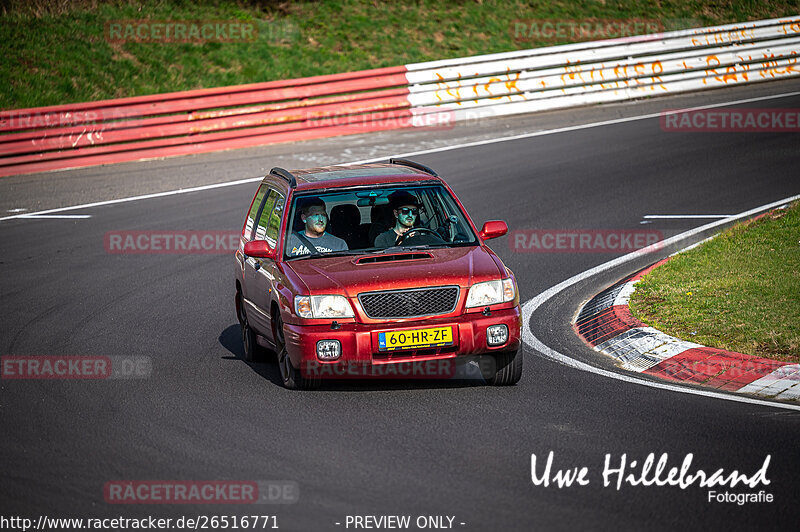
[{"x": 415, "y": 95}]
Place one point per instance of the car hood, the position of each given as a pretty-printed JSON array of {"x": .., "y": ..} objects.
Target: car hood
[{"x": 354, "y": 274}]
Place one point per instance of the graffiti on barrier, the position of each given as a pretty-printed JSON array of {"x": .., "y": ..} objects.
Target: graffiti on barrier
[{"x": 479, "y": 89}]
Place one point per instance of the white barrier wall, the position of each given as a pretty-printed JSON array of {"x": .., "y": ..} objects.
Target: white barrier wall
[{"x": 607, "y": 71}]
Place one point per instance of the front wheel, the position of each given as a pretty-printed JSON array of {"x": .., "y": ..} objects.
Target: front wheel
[
  {"x": 293, "y": 378},
  {"x": 507, "y": 370}
]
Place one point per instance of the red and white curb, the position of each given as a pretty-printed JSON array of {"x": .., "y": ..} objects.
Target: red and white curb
[{"x": 606, "y": 324}]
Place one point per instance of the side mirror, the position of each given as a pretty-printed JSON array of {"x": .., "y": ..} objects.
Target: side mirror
[
  {"x": 259, "y": 249},
  {"x": 493, "y": 229}
]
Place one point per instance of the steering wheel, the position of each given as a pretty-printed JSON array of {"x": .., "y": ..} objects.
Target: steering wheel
[{"x": 418, "y": 231}]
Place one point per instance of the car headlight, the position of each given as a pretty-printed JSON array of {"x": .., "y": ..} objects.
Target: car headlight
[
  {"x": 323, "y": 307},
  {"x": 491, "y": 293}
]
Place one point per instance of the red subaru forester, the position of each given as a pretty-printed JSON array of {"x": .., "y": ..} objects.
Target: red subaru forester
[{"x": 373, "y": 270}]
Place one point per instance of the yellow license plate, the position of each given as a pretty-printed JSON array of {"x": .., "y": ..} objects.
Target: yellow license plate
[{"x": 414, "y": 338}]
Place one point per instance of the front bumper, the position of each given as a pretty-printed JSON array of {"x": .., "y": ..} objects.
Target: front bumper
[{"x": 360, "y": 347}]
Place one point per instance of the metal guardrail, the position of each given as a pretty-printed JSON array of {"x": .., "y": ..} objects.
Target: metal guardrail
[
  {"x": 110, "y": 131},
  {"x": 414, "y": 95}
]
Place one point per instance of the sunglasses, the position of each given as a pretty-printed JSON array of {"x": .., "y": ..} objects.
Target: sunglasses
[{"x": 405, "y": 211}]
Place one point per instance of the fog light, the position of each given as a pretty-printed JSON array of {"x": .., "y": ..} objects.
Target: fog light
[
  {"x": 329, "y": 349},
  {"x": 497, "y": 335}
]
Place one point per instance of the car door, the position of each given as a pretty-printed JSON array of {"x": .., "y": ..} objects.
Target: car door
[{"x": 260, "y": 273}]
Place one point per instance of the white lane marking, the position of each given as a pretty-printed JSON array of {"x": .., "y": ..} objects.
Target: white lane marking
[
  {"x": 16, "y": 210},
  {"x": 136, "y": 198},
  {"x": 683, "y": 216},
  {"x": 423, "y": 152},
  {"x": 56, "y": 216},
  {"x": 531, "y": 305},
  {"x": 696, "y": 244}
]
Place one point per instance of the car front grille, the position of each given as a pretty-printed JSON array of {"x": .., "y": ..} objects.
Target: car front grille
[{"x": 412, "y": 303}]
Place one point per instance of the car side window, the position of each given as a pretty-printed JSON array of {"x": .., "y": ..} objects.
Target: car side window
[
  {"x": 251, "y": 216},
  {"x": 274, "y": 223},
  {"x": 266, "y": 212}
]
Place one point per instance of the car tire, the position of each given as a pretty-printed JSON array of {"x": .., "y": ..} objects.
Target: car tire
[
  {"x": 252, "y": 351},
  {"x": 293, "y": 378},
  {"x": 239, "y": 307},
  {"x": 508, "y": 369}
]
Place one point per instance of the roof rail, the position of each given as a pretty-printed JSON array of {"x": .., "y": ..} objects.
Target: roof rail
[
  {"x": 412, "y": 164},
  {"x": 286, "y": 174}
]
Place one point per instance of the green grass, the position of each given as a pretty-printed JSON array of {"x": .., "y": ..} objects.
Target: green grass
[
  {"x": 55, "y": 51},
  {"x": 739, "y": 291}
]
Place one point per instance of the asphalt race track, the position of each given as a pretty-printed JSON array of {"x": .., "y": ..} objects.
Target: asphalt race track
[{"x": 378, "y": 448}]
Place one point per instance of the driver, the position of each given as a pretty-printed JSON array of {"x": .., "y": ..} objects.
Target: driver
[
  {"x": 406, "y": 210},
  {"x": 315, "y": 217}
]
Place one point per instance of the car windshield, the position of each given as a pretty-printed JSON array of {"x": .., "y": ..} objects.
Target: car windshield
[{"x": 372, "y": 220}]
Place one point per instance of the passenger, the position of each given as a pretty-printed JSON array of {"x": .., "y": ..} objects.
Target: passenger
[
  {"x": 406, "y": 210},
  {"x": 315, "y": 217}
]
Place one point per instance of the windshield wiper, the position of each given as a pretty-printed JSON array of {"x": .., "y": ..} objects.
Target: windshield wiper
[
  {"x": 341, "y": 253},
  {"x": 428, "y": 246},
  {"x": 346, "y": 252}
]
